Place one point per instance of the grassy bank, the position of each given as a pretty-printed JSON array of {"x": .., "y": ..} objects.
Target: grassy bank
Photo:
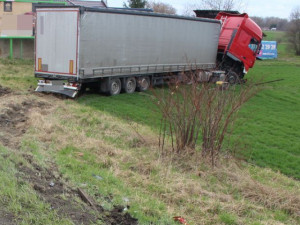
[{"x": 111, "y": 162}]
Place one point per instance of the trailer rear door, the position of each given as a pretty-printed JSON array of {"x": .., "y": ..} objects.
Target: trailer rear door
[{"x": 56, "y": 41}]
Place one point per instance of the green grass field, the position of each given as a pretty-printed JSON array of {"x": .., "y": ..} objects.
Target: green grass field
[
  {"x": 275, "y": 36},
  {"x": 271, "y": 119}
]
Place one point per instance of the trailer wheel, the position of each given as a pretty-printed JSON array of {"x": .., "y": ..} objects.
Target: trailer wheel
[
  {"x": 114, "y": 86},
  {"x": 143, "y": 83},
  {"x": 130, "y": 85}
]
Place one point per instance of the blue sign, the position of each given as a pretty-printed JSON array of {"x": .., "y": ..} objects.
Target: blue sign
[{"x": 268, "y": 50}]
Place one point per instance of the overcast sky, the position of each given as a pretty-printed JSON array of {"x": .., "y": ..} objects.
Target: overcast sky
[{"x": 262, "y": 8}]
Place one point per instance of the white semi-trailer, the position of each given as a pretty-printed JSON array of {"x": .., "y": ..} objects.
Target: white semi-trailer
[{"x": 118, "y": 49}]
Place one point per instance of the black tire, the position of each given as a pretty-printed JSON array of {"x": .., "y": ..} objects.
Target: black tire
[
  {"x": 114, "y": 86},
  {"x": 129, "y": 85},
  {"x": 143, "y": 83},
  {"x": 232, "y": 78}
]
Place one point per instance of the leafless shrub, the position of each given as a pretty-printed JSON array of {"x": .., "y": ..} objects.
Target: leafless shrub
[
  {"x": 180, "y": 118},
  {"x": 218, "y": 113},
  {"x": 199, "y": 114}
]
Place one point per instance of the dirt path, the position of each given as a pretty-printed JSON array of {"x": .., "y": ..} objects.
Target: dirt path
[{"x": 48, "y": 183}]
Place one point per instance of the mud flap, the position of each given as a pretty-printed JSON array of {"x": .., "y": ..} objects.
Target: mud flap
[{"x": 57, "y": 86}]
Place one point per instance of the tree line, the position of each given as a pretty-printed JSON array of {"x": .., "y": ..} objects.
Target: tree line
[
  {"x": 267, "y": 23},
  {"x": 158, "y": 7}
]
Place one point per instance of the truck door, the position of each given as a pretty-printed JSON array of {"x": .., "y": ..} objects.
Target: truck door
[
  {"x": 57, "y": 41},
  {"x": 244, "y": 48}
]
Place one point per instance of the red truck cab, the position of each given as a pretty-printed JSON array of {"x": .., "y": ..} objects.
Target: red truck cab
[
  {"x": 239, "y": 42},
  {"x": 240, "y": 39}
]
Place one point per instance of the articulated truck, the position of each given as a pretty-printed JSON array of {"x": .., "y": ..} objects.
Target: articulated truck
[{"x": 116, "y": 50}]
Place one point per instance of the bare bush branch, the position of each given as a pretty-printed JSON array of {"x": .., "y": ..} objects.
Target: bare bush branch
[{"x": 192, "y": 111}]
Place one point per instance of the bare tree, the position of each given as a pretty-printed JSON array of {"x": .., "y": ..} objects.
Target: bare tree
[
  {"x": 259, "y": 21},
  {"x": 269, "y": 22},
  {"x": 293, "y": 31},
  {"x": 189, "y": 10},
  {"x": 222, "y": 4},
  {"x": 160, "y": 7},
  {"x": 135, "y": 4},
  {"x": 225, "y": 5}
]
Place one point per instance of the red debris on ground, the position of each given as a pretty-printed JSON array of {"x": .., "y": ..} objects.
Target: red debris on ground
[{"x": 180, "y": 220}]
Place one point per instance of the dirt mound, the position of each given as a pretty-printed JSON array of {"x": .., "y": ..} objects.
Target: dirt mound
[
  {"x": 116, "y": 217},
  {"x": 4, "y": 91}
]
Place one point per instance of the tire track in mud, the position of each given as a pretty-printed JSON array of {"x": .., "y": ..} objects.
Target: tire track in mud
[
  {"x": 4, "y": 91},
  {"x": 13, "y": 122}
]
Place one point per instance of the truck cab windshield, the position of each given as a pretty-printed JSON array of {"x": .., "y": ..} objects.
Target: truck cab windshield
[{"x": 254, "y": 45}]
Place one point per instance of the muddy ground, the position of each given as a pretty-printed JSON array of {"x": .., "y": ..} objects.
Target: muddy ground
[
  {"x": 48, "y": 183},
  {"x": 4, "y": 91}
]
